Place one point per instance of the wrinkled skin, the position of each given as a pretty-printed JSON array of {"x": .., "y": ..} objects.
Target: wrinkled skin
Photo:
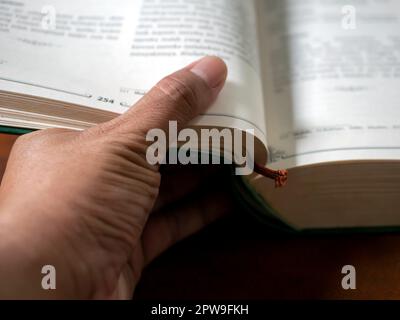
[{"x": 90, "y": 204}]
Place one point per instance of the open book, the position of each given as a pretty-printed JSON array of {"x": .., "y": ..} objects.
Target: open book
[{"x": 318, "y": 82}]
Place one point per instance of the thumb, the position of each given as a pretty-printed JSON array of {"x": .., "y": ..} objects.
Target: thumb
[{"x": 180, "y": 96}]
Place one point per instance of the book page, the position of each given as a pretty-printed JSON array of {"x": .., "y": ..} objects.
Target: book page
[
  {"x": 332, "y": 80},
  {"x": 107, "y": 54}
]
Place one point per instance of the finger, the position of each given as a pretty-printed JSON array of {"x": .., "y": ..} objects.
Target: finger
[
  {"x": 178, "y": 181},
  {"x": 180, "y": 96},
  {"x": 166, "y": 228}
]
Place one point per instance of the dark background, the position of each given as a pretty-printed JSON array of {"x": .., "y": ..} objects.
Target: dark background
[{"x": 237, "y": 258}]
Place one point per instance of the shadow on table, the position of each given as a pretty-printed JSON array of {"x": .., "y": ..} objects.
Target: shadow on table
[{"x": 238, "y": 259}]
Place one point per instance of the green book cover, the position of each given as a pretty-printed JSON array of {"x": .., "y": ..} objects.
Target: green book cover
[{"x": 14, "y": 130}]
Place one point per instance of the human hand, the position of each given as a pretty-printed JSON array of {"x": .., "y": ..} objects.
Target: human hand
[{"x": 81, "y": 201}]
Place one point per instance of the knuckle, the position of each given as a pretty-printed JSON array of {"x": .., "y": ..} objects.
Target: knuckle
[
  {"x": 26, "y": 139},
  {"x": 24, "y": 144},
  {"x": 180, "y": 92},
  {"x": 37, "y": 139},
  {"x": 96, "y": 131}
]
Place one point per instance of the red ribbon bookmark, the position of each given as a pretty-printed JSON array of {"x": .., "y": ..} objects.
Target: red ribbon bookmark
[{"x": 280, "y": 176}]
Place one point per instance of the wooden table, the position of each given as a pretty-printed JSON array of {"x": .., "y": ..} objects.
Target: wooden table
[
  {"x": 238, "y": 259},
  {"x": 6, "y": 142}
]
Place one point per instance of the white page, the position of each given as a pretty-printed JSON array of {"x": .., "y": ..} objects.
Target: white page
[
  {"x": 143, "y": 41},
  {"x": 332, "y": 92}
]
